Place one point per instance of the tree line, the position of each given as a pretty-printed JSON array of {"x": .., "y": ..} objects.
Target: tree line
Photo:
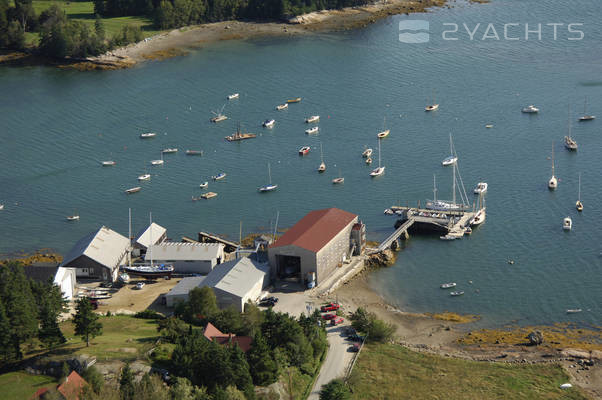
[{"x": 59, "y": 36}]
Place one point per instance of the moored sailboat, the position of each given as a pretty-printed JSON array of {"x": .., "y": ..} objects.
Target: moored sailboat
[
  {"x": 553, "y": 182},
  {"x": 270, "y": 186},
  {"x": 381, "y": 168},
  {"x": 579, "y": 204}
]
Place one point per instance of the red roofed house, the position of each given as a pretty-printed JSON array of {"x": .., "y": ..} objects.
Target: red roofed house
[
  {"x": 314, "y": 246},
  {"x": 215, "y": 335},
  {"x": 71, "y": 389}
]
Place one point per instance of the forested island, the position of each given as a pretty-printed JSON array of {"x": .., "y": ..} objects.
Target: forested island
[{"x": 53, "y": 33}]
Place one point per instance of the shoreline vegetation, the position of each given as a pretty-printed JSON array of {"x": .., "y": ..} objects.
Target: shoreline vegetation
[{"x": 141, "y": 42}]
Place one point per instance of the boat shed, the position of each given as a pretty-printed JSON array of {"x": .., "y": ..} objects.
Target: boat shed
[
  {"x": 187, "y": 258},
  {"x": 64, "y": 278},
  {"x": 98, "y": 255},
  {"x": 314, "y": 247},
  {"x": 152, "y": 234},
  {"x": 179, "y": 293},
  {"x": 238, "y": 281}
]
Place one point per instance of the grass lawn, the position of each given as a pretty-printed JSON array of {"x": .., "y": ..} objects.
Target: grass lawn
[
  {"x": 84, "y": 11},
  {"x": 123, "y": 337},
  {"x": 21, "y": 385},
  {"x": 393, "y": 372}
]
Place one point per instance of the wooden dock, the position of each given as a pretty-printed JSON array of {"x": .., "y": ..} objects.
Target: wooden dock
[
  {"x": 205, "y": 237},
  {"x": 454, "y": 223}
]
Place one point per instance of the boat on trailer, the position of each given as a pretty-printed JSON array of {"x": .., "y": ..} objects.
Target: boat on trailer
[{"x": 150, "y": 271}]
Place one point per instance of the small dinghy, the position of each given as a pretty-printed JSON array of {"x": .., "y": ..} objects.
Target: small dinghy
[
  {"x": 448, "y": 285},
  {"x": 457, "y": 293}
]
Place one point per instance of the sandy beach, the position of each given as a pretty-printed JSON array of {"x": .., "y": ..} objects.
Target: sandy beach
[{"x": 179, "y": 41}]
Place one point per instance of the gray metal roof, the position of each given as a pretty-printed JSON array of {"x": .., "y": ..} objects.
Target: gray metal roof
[
  {"x": 186, "y": 285},
  {"x": 182, "y": 251},
  {"x": 105, "y": 246},
  {"x": 144, "y": 236},
  {"x": 237, "y": 276}
]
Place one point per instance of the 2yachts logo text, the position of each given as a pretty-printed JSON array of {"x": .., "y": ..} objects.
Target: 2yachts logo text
[{"x": 418, "y": 31}]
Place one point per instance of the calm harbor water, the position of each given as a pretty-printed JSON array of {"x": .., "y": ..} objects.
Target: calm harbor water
[{"x": 56, "y": 126}]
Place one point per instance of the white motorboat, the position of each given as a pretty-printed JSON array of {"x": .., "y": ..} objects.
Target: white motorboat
[
  {"x": 133, "y": 190},
  {"x": 313, "y": 118},
  {"x": 219, "y": 176},
  {"x": 586, "y": 116},
  {"x": 169, "y": 150},
  {"x": 74, "y": 217},
  {"x": 481, "y": 188},
  {"x": 144, "y": 177},
  {"x": 108, "y": 163},
  {"x": 573, "y": 310},
  {"x": 385, "y": 132},
  {"x": 282, "y": 107},
  {"x": 567, "y": 224},
  {"x": 270, "y": 186},
  {"x": 147, "y": 135},
  {"x": 579, "y": 204},
  {"x": 304, "y": 150},
  {"x": 338, "y": 180},
  {"x": 449, "y": 161},
  {"x": 452, "y": 158},
  {"x": 489, "y": 126},
  {"x": 367, "y": 153},
  {"x": 312, "y": 130},
  {"x": 204, "y": 185},
  {"x": 531, "y": 109},
  {"x": 448, "y": 285},
  {"x": 553, "y": 182},
  {"x": 233, "y": 96},
  {"x": 194, "y": 152},
  {"x": 1, "y": 207},
  {"x": 369, "y": 160},
  {"x": 457, "y": 293},
  {"x": 381, "y": 168},
  {"x": 388, "y": 211},
  {"x": 139, "y": 285},
  {"x": 268, "y": 123}
]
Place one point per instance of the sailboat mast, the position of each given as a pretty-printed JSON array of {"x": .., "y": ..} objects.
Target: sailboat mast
[
  {"x": 580, "y": 187},
  {"x": 552, "y": 158},
  {"x": 130, "y": 237},
  {"x": 150, "y": 227},
  {"x": 321, "y": 153},
  {"x": 269, "y": 174},
  {"x": 379, "y": 154},
  {"x": 454, "y": 185},
  {"x": 434, "y": 189},
  {"x": 570, "y": 120}
]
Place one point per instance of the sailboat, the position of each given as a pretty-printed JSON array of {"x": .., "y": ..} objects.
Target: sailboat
[
  {"x": 338, "y": 180},
  {"x": 579, "y": 204},
  {"x": 586, "y": 116},
  {"x": 480, "y": 215},
  {"x": 444, "y": 205},
  {"x": 270, "y": 186},
  {"x": 158, "y": 162},
  {"x": 150, "y": 271},
  {"x": 553, "y": 182},
  {"x": 322, "y": 166},
  {"x": 432, "y": 107},
  {"x": 381, "y": 169},
  {"x": 385, "y": 132},
  {"x": 452, "y": 158},
  {"x": 569, "y": 142},
  {"x": 74, "y": 217}
]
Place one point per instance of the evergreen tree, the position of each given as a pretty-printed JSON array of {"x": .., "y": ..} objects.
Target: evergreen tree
[
  {"x": 6, "y": 350},
  {"x": 94, "y": 378},
  {"x": 50, "y": 334},
  {"x": 86, "y": 321},
  {"x": 127, "y": 388},
  {"x": 241, "y": 377},
  {"x": 264, "y": 369}
]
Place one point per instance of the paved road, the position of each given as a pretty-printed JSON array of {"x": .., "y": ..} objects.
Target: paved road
[{"x": 337, "y": 360}]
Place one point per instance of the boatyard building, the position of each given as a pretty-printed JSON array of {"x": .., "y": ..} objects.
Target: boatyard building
[
  {"x": 98, "y": 255},
  {"x": 315, "y": 246},
  {"x": 188, "y": 258},
  {"x": 179, "y": 293},
  {"x": 151, "y": 235},
  {"x": 64, "y": 278}
]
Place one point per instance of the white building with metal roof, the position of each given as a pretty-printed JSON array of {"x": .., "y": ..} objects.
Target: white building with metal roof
[
  {"x": 152, "y": 234},
  {"x": 188, "y": 258},
  {"x": 237, "y": 282},
  {"x": 98, "y": 255},
  {"x": 179, "y": 293}
]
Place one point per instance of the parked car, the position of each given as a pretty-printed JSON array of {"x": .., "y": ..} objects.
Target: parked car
[
  {"x": 268, "y": 302},
  {"x": 330, "y": 307},
  {"x": 139, "y": 285},
  {"x": 355, "y": 347},
  {"x": 355, "y": 338},
  {"x": 336, "y": 321},
  {"x": 328, "y": 316}
]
